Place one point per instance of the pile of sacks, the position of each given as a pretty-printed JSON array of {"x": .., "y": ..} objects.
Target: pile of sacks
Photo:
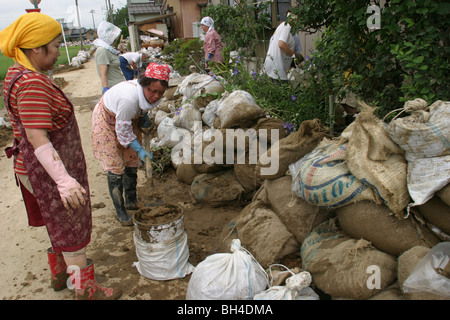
[
  {"x": 196, "y": 119},
  {"x": 362, "y": 209},
  {"x": 80, "y": 58}
]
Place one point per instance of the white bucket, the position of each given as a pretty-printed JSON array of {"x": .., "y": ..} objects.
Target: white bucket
[{"x": 159, "y": 224}]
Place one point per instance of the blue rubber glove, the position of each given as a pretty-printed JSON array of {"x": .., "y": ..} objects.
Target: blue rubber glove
[
  {"x": 209, "y": 57},
  {"x": 104, "y": 90},
  {"x": 136, "y": 146}
]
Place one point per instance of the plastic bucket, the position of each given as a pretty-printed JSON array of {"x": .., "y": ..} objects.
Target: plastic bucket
[{"x": 159, "y": 224}]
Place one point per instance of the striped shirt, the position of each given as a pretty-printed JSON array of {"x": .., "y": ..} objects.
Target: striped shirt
[{"x": 37, "y": 103}]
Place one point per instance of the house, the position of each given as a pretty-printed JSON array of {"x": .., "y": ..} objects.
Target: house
[{"x": 145, "y": 15}]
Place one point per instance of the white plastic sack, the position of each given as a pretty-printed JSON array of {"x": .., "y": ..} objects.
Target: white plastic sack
[
  {"x": 188, "y": 117},
  {"x": 164, "y": 260},
  {"x": 209, "y": 115},
  {"x": 169, "y": 135},
  {"x": 425, "y": 278},
  {"x": 193, "y": 83},
  {"x": 239, "y": 109},
  {"x": 227, "y": 276},
  {"x": 296, "y": 288},
  {"x": 425, "y": 138},
  {"x": 425, "y": 177}
]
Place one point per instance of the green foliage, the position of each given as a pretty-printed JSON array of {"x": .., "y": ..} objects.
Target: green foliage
[
  {"x": 407, "y": 58},
  {"x": 242, "y": 25},
  {"x": 183, "y": 53},
  {"x": 279, "y": 99}
]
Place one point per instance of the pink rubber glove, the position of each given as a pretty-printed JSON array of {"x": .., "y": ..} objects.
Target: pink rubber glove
[{"x": 70, "y": 190}]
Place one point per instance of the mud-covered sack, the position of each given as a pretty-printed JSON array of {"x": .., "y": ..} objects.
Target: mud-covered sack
[
  {"x": 299, "y": 217},
  {"x": 322, "y": 178},
  {"x": 274, "y": 163},
  {"x": 169, "y": 135},
  {"x": 216, "y": 189},
  {"x": 392, "y": 234},
  {"x": 264, "y": 128},
  {"x": 263, "y": 234},
  {"x": 227, "y": 276},
  {"x": 344, "y": 267},
  {"x": 209, "y": 115},
  {"x": 188, "y": 117},
  {"x": 238, "y": 110},
  {"x": 437, "y": 212}
]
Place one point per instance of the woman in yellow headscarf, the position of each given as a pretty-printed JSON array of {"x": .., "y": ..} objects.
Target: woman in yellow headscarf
[{"x": 49, "y": 161}]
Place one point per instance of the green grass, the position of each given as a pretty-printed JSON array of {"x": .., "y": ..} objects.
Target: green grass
[{"x": 6, "y": 62}]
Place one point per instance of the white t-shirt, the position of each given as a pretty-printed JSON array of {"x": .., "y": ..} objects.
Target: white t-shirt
[
  {"x": 277, "y": 63},
  {"x": 133, "y": 56},
  {"x": 127, "y": 101}
]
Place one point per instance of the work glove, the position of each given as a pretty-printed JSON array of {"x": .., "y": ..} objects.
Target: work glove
[
  {"x": 104, "y": 90},
  {"x": 136, "y": 146},
  {"x": 70, "y": 191}
]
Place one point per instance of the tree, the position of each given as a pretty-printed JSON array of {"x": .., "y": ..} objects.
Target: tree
[{"x": 407, "y": 57}]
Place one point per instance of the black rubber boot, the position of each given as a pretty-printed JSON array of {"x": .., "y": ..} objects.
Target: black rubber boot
[
  {"x": 129, "y": 186},
  {"x": 115, "y": 186}
]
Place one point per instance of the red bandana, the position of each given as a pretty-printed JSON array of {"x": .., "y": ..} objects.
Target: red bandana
[{"x": 157, "y": 71}]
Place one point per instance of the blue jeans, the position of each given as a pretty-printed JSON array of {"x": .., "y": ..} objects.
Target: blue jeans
[{"x": 126, "y": 69}]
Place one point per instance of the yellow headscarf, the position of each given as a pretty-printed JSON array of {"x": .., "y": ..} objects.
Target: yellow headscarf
[{"x": 30, "y": 30}]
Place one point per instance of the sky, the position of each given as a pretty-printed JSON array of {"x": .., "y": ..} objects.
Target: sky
[{"x": 10, "y": 10}]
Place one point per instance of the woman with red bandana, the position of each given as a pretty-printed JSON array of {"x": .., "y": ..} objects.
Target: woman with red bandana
[{"x": 116, "y": 139}]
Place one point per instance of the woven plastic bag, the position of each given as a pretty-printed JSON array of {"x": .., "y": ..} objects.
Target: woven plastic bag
[{"x": 227, "y": 276}]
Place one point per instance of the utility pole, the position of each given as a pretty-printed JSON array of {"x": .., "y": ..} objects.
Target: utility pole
[
  {"x": 93, "y": 21},
  {"x": 79, "y": 25},
  {"x": 108, "y": 8}
]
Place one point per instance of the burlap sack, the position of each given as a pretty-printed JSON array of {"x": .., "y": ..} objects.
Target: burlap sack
[
  {"x": 264, "y": 235},
  {"x": 342, "y": 267},
  {"x": 293, "y": 147},
  {"x": 186, "y": 173},
  {"x": 393, "y": 292},
  {"x": 270, "y": 124},
  {"x": 444, "y": 194},
  {"x": 377, "y": 224},
  {"x": 247, "y": 177},
  {"x": 437, "y": 212},
  {"x": 299, "y": 216},
  {"x": 373, "y": 157},
  {"x": 216, "y": 189},
  {"x": 406, "y": 263}
]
